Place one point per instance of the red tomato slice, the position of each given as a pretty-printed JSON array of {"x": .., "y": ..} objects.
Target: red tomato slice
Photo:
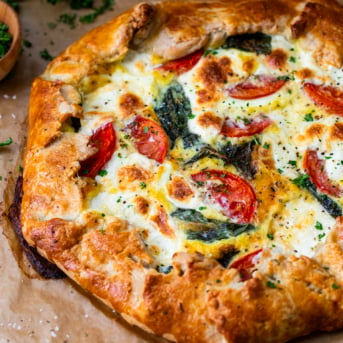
[
  {"x": 233, "y": 194},
  {"x": 104, "y": 139},
  {"x": 245, "y": 263},
  {"x": 255, "y": 126},
  {"x": 327, "y": 97},
  {"x": 150, "y": 138},
  {"x": 316, "y": 169},
  {"x": 182, "y": 64},
  {"x": 256, "y": 86}
]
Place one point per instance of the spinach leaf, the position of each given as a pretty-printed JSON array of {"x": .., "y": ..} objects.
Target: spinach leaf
[
  {"x": 191, "y": 140},
  {"x": 189, "y": 215},
  {"x": 226, "y": 257},
  {"x": 258, "y": 42},
  {"x": 8, "y": 141},
  {"x": 173, "y": 110},
  {"x": 240, "y": 156},
  {"x": 303, "y": 181},
  {"x": 211, "y": 230},
  {"x": 207, "y": 152}
]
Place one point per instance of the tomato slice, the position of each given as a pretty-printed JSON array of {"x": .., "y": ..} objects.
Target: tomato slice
[
  {"x": 256, "y": 86},
  {"x": 182, "y": 64},
  {"x": 316, "y": 169},
  {"x": 255, "y": 126},
  {"x": 327, "y": 97},
  {"x": 235, "y": 195},
  {"x": 246, "y": 263},
  {"x": 104, "y": 139},
  {"x": 150, "y": 138}
]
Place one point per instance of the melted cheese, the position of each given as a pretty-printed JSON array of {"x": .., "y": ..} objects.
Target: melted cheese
[{"x": 289, "y": 225}]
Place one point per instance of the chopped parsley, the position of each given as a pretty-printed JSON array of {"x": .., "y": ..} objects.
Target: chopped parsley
[
  {"x": 46, "y": 55},
  {"x": 266, "y": 145},
  {"x": 292, "y": 59},
  {"x": 308, "y": 117},
  {"x": 5, "y": 39},
  {"x": 318, "y": 226},
  {"x": 143, "y": 185},
  {"x": 210, "y": 52},
  {"x": 103, "y": 172},
  {"x": 321, "y": 235},
  {"x": 8, "y": 141},
  {"x": 89, "y": 18},
  {"x": 270, "y": 236},
  {"x": 27, "y": 43},
  {"x": 68, "y": 19},
  {"x": 270, "y": 284},
  {"x": 335, "y": 286},
  {"x": 292, "y": 163},
  {"x": 14, "y": 4},
  {"x": 282, "y": 77}
]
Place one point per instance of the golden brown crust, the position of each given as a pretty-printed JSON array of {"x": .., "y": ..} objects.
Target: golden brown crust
[{"x": 199, "y": 300}]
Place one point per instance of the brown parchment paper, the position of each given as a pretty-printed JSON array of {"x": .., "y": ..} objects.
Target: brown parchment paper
[{"x": 33, "y": 310}]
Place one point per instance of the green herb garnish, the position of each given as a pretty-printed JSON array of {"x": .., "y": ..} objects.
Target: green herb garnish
[
  {"x": 27, "y": 43},
  {"x": 8, "y": 141},
  {"x": 318, "y": 226},
  {"x": 46, "y": 55},
  {"x": 68, "y": 19},
  {"x": 5, "y": 39}
]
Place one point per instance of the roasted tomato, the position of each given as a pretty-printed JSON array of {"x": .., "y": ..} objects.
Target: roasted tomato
[
  {"x": 256, "y": 86},
  {"x": 246, "y": 264},
  {"x": 150, "y": 138},
  {"x": 327, "y": 97},
  {"x": 182, "y": 64},
  {"x": 315, "y": 168},
  {"x": 235, "y": 196},
  {"x": 253, "y": 127},
  {"x": 104, "y": 139}
]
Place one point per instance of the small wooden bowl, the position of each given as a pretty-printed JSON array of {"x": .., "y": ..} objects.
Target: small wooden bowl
[{"x": 9, "y": 17}]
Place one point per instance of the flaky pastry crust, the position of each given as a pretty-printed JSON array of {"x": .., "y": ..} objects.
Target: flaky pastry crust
[{"x": 188, "y": 304}]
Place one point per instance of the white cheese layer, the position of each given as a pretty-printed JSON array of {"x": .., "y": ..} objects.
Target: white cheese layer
[{"x": 302, "y": 224}]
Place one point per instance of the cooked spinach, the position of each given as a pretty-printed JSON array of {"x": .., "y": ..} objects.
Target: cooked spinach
[
  {"x": 240, "y": 156},
  {"x": 173, "y": 109},
  {"x": 226, "y": 258},
  {"x": 258, "y": 42},
  {"x": 190, "y": 215},
  {"x": 303, "y": 181},
  {"x": 207, "y": 152},
  {"x": 209, "y": 230}
]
